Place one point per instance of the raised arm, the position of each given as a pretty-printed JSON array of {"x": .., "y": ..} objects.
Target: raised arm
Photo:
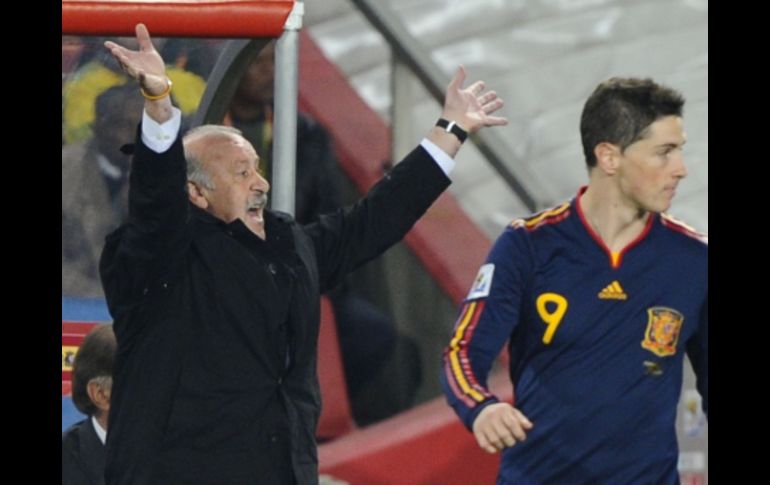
[
  {"x": 146, "y": 66},
  {"x": 361, "y": 232},
  {"x": 138, "y": 256}
]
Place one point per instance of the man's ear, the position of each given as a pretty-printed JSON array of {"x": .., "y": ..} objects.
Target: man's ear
[
  {"x": 98, "y": 395},
  {"x": 196, "y": 195},
  {"x": 607, "y": 157}
]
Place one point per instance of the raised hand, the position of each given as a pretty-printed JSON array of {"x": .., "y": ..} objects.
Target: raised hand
[
  {"x": 471, "y": 107},
  {"x": 145, "y": 65}
]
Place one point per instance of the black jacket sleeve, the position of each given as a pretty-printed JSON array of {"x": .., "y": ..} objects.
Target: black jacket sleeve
[
  {"x": 155, "y": 233},
  {"x": 349, "y": 237}
]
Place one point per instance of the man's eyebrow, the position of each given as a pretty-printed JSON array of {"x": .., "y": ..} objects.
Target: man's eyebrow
[{"x": 671, "y": 145}]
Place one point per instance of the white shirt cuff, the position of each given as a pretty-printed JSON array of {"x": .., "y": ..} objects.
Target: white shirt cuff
[
  {"x": 157, "y": 137},
  {"x": 443, "y": 160}
]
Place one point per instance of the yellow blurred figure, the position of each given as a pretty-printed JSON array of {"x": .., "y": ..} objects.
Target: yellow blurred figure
[{"x": 81, "y": 90}]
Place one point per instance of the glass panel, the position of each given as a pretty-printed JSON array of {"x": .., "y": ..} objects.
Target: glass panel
[{"x": 100, "y": 111}]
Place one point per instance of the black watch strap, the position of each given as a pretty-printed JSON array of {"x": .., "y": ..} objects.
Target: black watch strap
[{"x": 451, "y": 127}]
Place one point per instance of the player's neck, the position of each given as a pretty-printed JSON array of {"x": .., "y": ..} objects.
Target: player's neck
[{"x": 616, "y": 222}]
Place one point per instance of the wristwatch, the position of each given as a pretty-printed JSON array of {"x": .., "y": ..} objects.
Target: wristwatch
[{"x": 451, "y": 127}]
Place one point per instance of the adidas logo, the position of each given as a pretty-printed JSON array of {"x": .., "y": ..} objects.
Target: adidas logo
[{"x": 613, "y": 291}]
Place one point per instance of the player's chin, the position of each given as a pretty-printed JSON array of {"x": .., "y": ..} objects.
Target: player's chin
[
  {"x": 665, "y": 205},
  {"x": 662, "y": 204}
]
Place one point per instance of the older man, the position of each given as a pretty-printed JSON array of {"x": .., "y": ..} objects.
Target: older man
[
  {"x": 82, "y": 445},
  {"x": 216, "y": 299}
]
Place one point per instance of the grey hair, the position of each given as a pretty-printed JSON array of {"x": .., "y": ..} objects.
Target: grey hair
[
  {"x": 105, "y": 382},
  {"x": 195, "y": 171}
]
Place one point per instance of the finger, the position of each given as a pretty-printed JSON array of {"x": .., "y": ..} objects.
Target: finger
[
  {"x": 476, "y": 88},
  {"x": 502, "y": 429},
  {"x": 123, "y": 61},
  {"x": 525, "y": 422},
  {"x": 492, "y": 106},
  {"x": 143, "y": 37},
  {"x": 504, "y": 432},
  {"x": 484, "y": 443},
  {"x": 116, "y": 50},
  {"x": 487, "y": 97},
  {"x": 495, "y": 121},
  {"x": 457, "y": 81},
  {"x": 514, "y": 426},
  {"x": 489, "y": 447},
  {"x": 494, "y": 438},
  {"x": 127, "y": 65}
]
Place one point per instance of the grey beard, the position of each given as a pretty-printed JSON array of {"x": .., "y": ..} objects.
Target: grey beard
[{"x": 258, "y": 202}]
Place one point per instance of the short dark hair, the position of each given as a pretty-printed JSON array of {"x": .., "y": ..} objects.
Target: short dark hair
[
  {"x": 115, "y": 101},
  {"x": 621, "y": 109},
  {"x": 93, "y": 359}
]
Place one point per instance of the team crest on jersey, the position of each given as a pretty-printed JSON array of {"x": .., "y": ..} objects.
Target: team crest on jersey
[
  {"x": 482, "y": 283},
  {"x": 663, "y": 329}
]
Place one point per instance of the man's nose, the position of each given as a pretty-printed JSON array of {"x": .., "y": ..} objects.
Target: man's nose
[
  {"x": 260, "y": 184},
  {"x": 680, "y": 170},
  {"x": 679, "y": 167}
]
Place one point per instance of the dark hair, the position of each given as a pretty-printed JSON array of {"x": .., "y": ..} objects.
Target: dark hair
[
  {"x": 93, "y": 359},
  {"x": 621, "y": 109},
  {"x": 114, "y": 101}
]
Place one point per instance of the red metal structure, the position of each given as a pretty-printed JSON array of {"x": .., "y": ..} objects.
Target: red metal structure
[{"x": 186, "y": 18}]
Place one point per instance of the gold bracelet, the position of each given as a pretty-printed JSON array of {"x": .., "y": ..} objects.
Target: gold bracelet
[{"x": 155, "y": 97}]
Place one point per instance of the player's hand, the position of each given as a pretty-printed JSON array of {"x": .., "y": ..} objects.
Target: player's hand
[{"x": 500, "y": 425}]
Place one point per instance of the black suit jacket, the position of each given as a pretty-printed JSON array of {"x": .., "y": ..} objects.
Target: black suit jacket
[
  {"x": 205, "y": 312},
  {"x": 82, "y": 455}
]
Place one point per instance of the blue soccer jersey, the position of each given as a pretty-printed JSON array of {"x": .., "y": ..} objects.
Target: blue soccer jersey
[{"x": 596, "y": 341}]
